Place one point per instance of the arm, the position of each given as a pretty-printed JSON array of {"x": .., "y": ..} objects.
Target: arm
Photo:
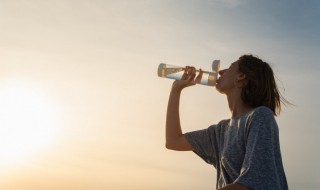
[{"x": 175, "y": 140}]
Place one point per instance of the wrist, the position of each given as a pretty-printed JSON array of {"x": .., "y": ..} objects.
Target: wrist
[{"x": 176, "y": 89}]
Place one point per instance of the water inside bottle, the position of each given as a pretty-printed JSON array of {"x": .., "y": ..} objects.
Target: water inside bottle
[{"x": 170, "y": 71}]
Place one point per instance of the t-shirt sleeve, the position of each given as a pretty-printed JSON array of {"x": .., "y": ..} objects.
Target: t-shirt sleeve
[
  {"x": 203, "y": 144},
  {"x": 262, "y": 165}
]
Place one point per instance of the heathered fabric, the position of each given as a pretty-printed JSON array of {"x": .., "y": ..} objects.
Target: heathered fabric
[{"x": 244, "y": 150}]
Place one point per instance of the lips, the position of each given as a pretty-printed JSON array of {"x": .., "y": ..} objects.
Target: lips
[{"x": 218, "y": 80}]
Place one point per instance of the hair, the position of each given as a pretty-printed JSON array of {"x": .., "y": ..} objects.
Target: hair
[{"x": 261, "y": 88}]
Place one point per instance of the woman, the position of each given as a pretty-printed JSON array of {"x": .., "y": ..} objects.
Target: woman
[{"x": 244, "y": 149}]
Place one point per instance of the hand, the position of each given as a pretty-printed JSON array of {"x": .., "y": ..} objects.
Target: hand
[{"x": 189, "y": 78}]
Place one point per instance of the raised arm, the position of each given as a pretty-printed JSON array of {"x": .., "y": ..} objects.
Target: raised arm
[{"x": 175, "y": 140}]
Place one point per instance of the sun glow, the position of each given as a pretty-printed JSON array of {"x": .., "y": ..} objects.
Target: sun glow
[{"x": 27, "y": 122}]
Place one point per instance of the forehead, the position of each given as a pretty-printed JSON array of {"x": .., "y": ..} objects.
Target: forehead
[{"x": 234, "y": 64}]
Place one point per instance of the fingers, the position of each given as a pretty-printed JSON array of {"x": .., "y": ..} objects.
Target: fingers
[
  {"x": 199, "y": 77},
  {"x": 185, "y": 73},
  {"x": 192, "y": 74},
  {"x": 189, "y": 74},
  {"x": 188, "y": 78}
]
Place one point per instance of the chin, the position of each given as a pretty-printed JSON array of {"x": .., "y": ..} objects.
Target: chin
[{"x": 219, "y": 89}]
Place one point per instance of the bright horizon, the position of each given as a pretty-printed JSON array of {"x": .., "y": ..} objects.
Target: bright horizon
[{"x": 82, "y": 107}]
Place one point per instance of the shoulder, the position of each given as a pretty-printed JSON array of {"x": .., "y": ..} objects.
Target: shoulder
[
  {"x": 219, "y": 127},
  {"x": 262, "y": 112},
  {"x": 263, "y": 118},
  {"x": 223, "y": 122}
]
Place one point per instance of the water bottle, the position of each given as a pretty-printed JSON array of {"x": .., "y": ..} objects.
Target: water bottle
[{"x": 176, "y": 72}]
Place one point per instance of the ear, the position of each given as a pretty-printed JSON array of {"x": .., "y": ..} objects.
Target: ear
[
  {"x": 241, "y": 80},
  {"x": 241, "y": 76}
]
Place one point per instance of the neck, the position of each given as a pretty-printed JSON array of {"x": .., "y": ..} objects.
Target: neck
[{"x": 236, "y": 105}]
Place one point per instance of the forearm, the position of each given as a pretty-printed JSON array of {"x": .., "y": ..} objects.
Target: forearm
[
  {"x": 173, "y": 127},
  {"x": 175, "y": 139}
]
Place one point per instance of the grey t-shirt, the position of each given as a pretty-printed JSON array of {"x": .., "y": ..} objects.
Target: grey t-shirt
[{"x": 244, "y": 150}]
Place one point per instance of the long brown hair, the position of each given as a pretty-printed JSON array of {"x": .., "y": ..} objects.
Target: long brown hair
[{"x": 261, "y": 88}]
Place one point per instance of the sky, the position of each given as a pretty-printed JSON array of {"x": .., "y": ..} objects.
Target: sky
[{"x": 82, "y": 107}]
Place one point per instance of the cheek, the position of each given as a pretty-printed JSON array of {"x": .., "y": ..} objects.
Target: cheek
[
  {"x": 224, "y": 85},
  {"x": 220, "y": 87}
]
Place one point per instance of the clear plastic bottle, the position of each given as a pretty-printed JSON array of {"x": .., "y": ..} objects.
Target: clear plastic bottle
[{"x": 176, "y": 72}]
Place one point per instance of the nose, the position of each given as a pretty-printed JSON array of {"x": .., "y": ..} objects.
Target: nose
[{"x": 221, "y": 72}]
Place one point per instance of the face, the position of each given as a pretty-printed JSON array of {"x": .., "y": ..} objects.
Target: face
[{"x": 228, "y": 78}]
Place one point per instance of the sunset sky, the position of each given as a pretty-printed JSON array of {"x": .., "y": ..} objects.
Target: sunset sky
[{"x": 82, "y": 107}]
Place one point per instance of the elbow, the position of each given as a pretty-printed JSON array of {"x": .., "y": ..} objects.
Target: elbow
[
  {"x": 178, "y": 144},
  {"x": 169, "y": 146},
  {"x": 174, "y": 145}
]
